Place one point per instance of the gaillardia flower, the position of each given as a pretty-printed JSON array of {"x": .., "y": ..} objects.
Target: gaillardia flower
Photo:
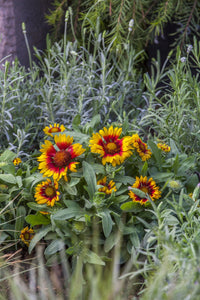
[
  {"x": 142, "y": 148},
  {"x": 56, "y": 159},
  {"x": 53, "y": 129},
  {"x": 47, "y": 192},
  {"x": 17, "y": 161},
  {"x": 163, "y": 147},
  {"x": 147, "y": 186},
  {"x": 26, "y": 235},
  {"x": 107, "y": 187},
  {"x": 113, "y": 150}
]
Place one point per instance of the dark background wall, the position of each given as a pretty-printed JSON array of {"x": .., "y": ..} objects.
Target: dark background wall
[
  {"x": 31, "y": 12},
  {"x": 12, "y": 14}
]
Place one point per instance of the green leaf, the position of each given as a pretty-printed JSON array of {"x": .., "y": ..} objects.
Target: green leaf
[
  {"x": 78, "y": 136},
  {"x": 147, "y": 225},
  {"x": 92, "y": 258},
  {"x": 185, "y": 165},
  {"x": 135, "y": 239},
  {"x": 156, "y": 152},
  {"x": 38, "y": 236},
  {"x": 138, "y": 192},
  {"x": 71, "y": 190},
  {"x": 19, "y": 181},
  {"x": 90, "y": 178},
  {"x": 54, "y": 247},
  {"x": 171, "y": 220},
  {"x": 38, "y": 207},
  {"x": 20, "y": 215},
  {"x": 8, "y": 168},
  {"x": 127, "y": 230},
  {"x": 98, "y": 169},
  {"x": 71, "y": 203},
  {"x": 76, "y": 122},
  {"x": 95, "y": 121},
  {"x": 7, "y": 155},
  {"x": 131, "y": 207},
  {"x": 8, "y": 178},
  {"x": 144, "y": 169},
  {"x": 111, "y": 241},
  {"x": 174, "y": 149},
  {"x": 4, "y": 197},
  {"x": 161, "y": 177},
  {"x": 106, "y": 222},
  {"x": 74, "y": 181},
  {"x": 33, "y": 180},
  {"x": 68, "y": 213},
  {"x": 125, "y": 179},
  {"x": 121, "y": 198},
  {"x": 3, "y": 236},
  {"x": 37, "y": 219}
]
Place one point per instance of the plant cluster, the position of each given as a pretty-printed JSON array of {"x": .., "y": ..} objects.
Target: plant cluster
[
  {"x": 113, "y": 188},
  {"x": 95, "y": 190}
]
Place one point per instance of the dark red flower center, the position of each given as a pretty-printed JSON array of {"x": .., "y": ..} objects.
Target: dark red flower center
[
  {"x": 54, "y": 129},
  {"x": 27, "y": 236},
  {"x": 145, "y": 189},
  {"x": 111, "y": 148},
  {"x": 50, "y": 191},
  {"x": 62, "y": 158}
]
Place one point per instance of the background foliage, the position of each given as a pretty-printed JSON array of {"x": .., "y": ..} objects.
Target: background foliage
[
  {"x": 151, "y": 19},
  {"x": 93, "y": 77}
]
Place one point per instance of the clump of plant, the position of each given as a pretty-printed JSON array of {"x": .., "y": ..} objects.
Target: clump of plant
[
  {"x": 91, "y": 191},
  {"x": 172, "y": 96},
  {"x": 66, "y": 81}
]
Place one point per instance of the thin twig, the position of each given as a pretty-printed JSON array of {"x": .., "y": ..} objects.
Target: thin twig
[{"x": 188, "y": 22}]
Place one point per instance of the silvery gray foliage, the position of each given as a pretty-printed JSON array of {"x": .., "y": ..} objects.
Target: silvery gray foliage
[{"x": 66, "y": 81}]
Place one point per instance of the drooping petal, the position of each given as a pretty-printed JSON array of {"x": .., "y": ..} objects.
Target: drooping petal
[
  {"x": 107, "y": 188},
  {"x": 164, "y": 147},
  {"x": 141, "y": 147},
  {"x": 147, "y": 186}
]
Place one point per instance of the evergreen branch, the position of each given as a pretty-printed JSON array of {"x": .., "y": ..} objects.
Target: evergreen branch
[
  {"x": 110, "y": 8},
  {"x": 188, "y": 22},
  {"x": 120, "y": 12},
  {"x": 148, "y": 11}
]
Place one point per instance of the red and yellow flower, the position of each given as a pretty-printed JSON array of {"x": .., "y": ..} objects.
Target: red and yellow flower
[
  {"x": 148, "y": 187},
  {"x": 142, "y": 148},
  {"x": 26, "y": 235},
  {"x": 47, "y": 192},
  {"x": 56, "y": 159},
  {"x": 107, "y": 187},
  {"x": 17, "y": 161},
  {"x": 111, "y": 148},
  {"x": 164, "y": 147},
  {"x": 53, "y": 129}
]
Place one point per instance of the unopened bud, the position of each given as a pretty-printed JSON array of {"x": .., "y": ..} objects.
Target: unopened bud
[
  {"x": 23, "y": 27},
  {"x": 130, "y": 26},
  {"x": 67, "y": 16}
]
